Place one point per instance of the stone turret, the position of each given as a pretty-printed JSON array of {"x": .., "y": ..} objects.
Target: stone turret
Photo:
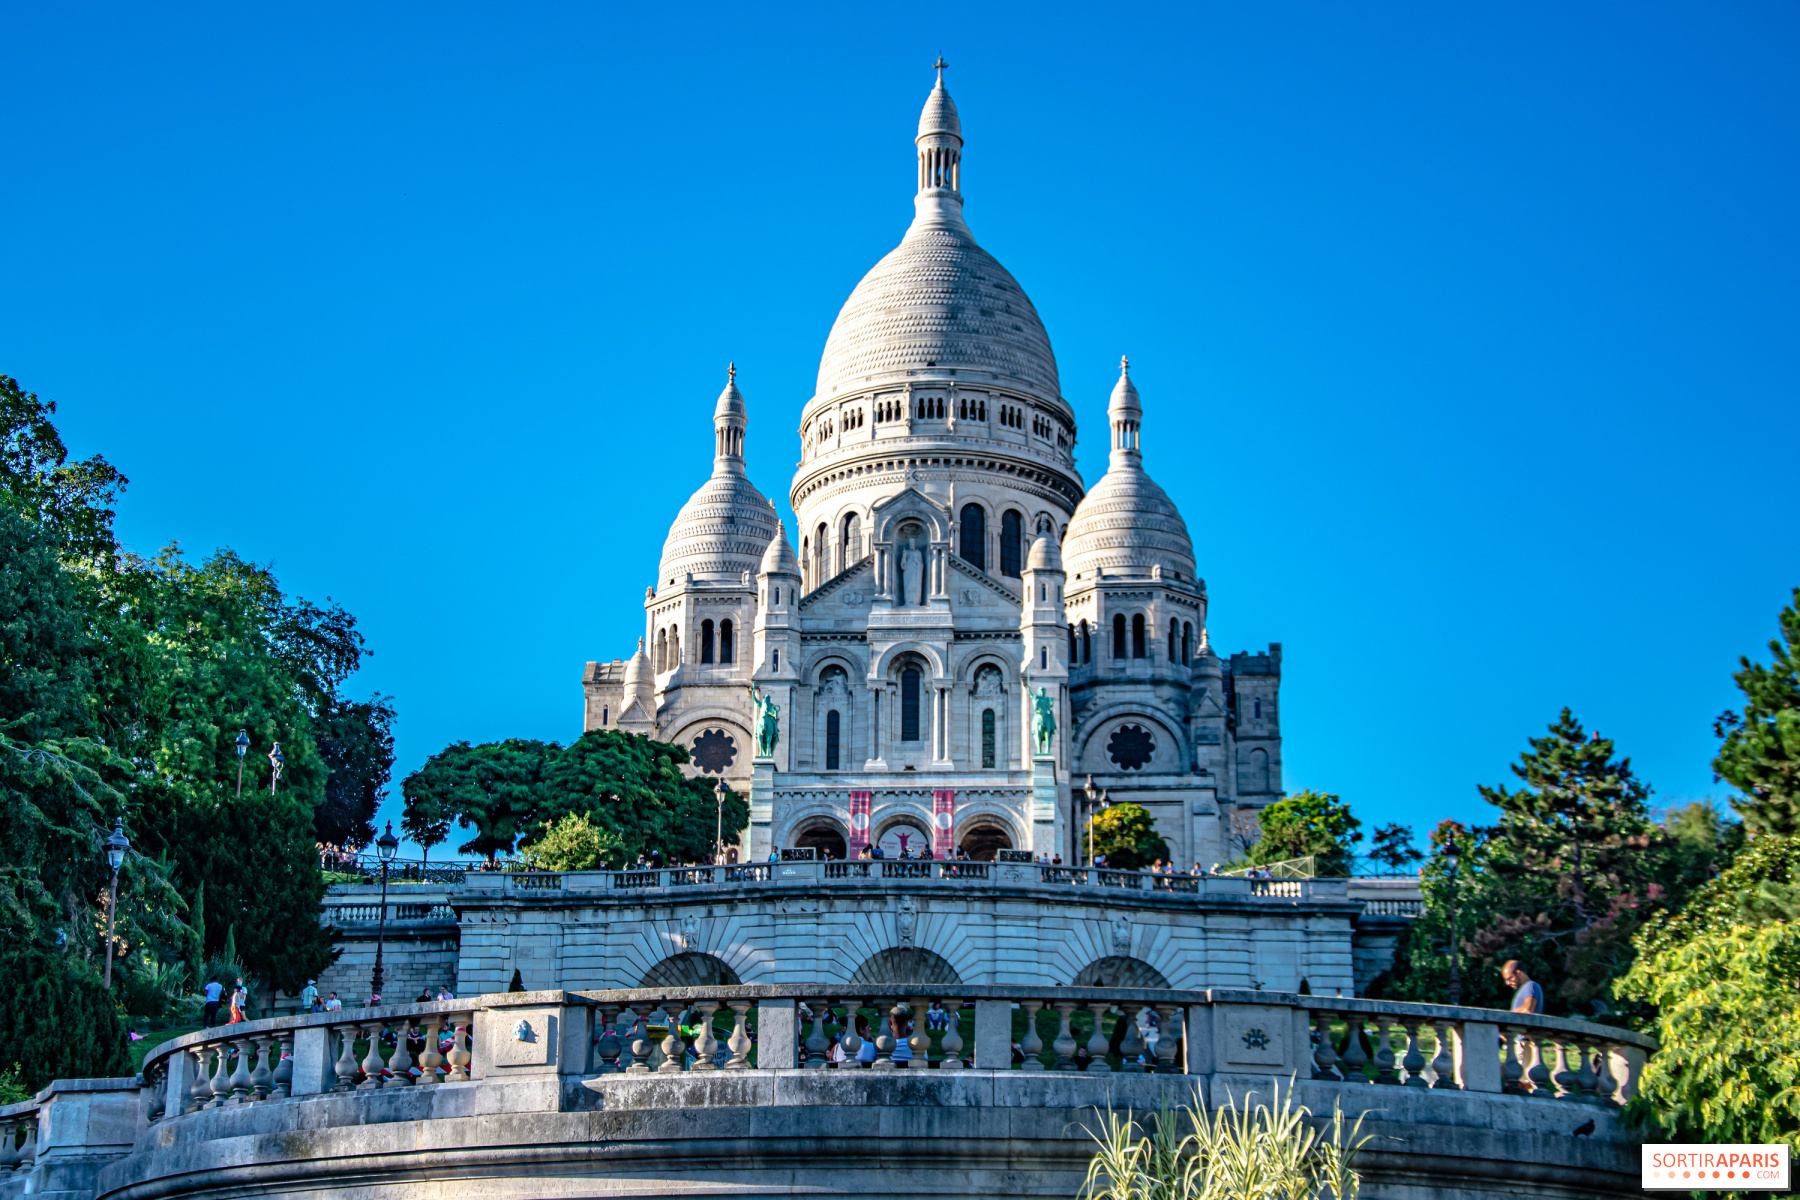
[{"x": 637, "y": 713}]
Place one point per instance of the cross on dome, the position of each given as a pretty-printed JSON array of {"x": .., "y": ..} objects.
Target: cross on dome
[{"x": 941, "y": 66}]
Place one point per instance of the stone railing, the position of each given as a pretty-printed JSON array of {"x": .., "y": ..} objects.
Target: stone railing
[
  {"x": 891, "y": 1027},
  {"x": 805, "y": 871},
  {"x": 19, "y": 1154},
  {"x": 370, "y": 914}
]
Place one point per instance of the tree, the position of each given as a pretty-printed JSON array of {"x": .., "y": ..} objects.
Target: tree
[
  {"x": 573, "y": 843},
  {"x": 495, "y": 789},
  {"x": 72, "y": 501},
  {"x": 1761, "y": 750},
  {"x": 1392, "y": 847},
  {"x": 56, "y": 1020},
  {"x": 356, "y": 740},
  {"x": 633, "y": 787},
  {"x": 1761, "y": 885},
  {"x": 1315, "y": 824},
  {"x": 425, "y": 826},
  {"x": 1126, "y": 834}
]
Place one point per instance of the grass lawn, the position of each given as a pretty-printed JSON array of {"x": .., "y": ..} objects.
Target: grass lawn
[{"x": 154, "y": 1039}]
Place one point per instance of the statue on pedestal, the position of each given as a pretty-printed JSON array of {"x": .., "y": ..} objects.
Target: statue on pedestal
[
  {"x": 767, "y": 725},
  {"x": 1043, "y": 714}
]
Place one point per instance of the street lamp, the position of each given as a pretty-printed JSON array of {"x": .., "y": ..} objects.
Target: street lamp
[
  {"x": 243, "y": 747},
  {"x": 116, "y": 846},
  {"x": 1452, "y": 856},
  {"x": 386, "y": 844},
  {"x": 719, "y": 825},
  {"x": 276, "y": 760},
  {"x": 1096, "y": 800}
]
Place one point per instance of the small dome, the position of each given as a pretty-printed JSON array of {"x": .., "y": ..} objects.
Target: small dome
[
  {"x": 939, "y": 113},
  {"x": 1126, "y": 524},
  {"x": 637, "y": 667},
  {"x": 720, "y": 533},
  {"x": 778, "y": 558},
  {"x": 731, "y": 401},
  {"x": 1045, "y": 555}
]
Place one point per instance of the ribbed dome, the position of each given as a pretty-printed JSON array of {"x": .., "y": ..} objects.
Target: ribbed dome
[
  {"x": 939, "y": 114},
  {"x": 938, "y": 302},
  {"x": 779, "y": 558},
  {"x": 720, "y": 533},
  {"x": 1126, "y": 524}
]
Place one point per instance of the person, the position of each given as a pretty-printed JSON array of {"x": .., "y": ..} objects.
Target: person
[
  {"x": 240, "y": 1001},
  {"x": 424, "y": 996},
  {"x": 865, "y": 1053},
  {"x": 444, "y": 992},
  {"x": 374, "y": 999},
  {"x": 876, "y": 851},
  {"x": 1100, "y": 861},
  {"x": 309, "y": 996},
  {"x": 774, "y": 855},
  {"x": 1196, "y": 869},
  {"x": 936, "y": 1017},
  {"x": 1056, "y": 860},
  {"x": 211, "y": 1011},
  {"x": 334, "y": 1004},
  {"x": 902, "y": 1027},
  {"x": 1528, "y": 996}
]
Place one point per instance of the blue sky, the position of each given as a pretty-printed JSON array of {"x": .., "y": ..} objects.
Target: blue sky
[{"x": 1466, "y": 334}]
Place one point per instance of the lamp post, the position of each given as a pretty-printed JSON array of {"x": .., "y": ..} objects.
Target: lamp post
[
  {"x": 1096, "y": 801},
  {"x": 1452, "y": 856},
  {"x": 243, "y": 747},
  {"x": 116, "y": 846},
  {"x": 386, "y": 844},
  {"x": 276, "y": 760},
  {"x": 719, "y": 824}
]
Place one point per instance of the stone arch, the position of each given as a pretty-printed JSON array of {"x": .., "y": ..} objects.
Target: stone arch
[
  {"x": 822, "y": 834},
  {"x": 1119, "y": 971},
  {"x": 911, "y": 819},
  {"x": 905, "y": 964},
  {"x": 1092, "y": 725},
  {"x": 884, "y": 667},
  {"x": 1253, "y": 772},
  {"x": 968, "y": 668},
  {"x": 972, "y": 525},
  {"x": 693, "y": 969},
  {"x": 983, "y": 836}
]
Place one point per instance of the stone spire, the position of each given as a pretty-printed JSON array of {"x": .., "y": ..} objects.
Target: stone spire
[
  {"x": 728, "y": 427},
  {"x": 1125, "y": 414},
  {"x": 940, "y": 142}
]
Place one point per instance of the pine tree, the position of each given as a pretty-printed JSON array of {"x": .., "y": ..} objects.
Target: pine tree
[{"x": 1761, "y": 752}]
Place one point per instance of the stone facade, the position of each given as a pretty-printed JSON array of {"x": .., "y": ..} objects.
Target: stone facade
[{"x": 948, "y": 558}]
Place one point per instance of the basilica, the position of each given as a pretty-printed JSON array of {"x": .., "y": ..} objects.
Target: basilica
[{"x": 950, "y": 572}]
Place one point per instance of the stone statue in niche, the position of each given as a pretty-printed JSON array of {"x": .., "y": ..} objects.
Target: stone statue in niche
[{"x": 912, "y": 573}]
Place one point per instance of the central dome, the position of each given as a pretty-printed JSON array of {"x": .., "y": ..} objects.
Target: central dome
[{"x": 936, "y": 304}]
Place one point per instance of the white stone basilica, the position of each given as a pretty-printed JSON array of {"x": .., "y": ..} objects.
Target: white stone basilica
[{"x": 949, "y": 559}]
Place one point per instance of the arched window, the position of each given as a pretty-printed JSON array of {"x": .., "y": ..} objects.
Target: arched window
[
  {"x": 725, "y": 647},
  {"x": 1043, "y": 658},
  {"x": 909, "y": 705},
  {"x": 852, "y": 539},
  {"x": 1073, "y": 659},
  {"x": 662, "y": 649},
  {"x": 1010, "y": 536},
  {"x": 1256, "y": 709},
  {"x": 674, "y": 647},
  {"x": 806, "y": 558},
  {"x": 1253, "y": 772},
  {"x": 1137, "y": 635},
  {"x": 987, "y": 737},
  {"x": 974, "y": 535},
  {"x": 1174, "y": 634},
  {"x": 822, "y": 556},
  {"x": 831, "y": 740},
  {"x": 603, "y": 714},
  {"x": 706, "y": 640},
  {"x": 1118, "y": 635},
  {"x": 1187, "y": 641},
  {"x": 1087, "y": 642}
]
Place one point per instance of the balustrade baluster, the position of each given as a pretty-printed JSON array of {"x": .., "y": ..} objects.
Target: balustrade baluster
[
  {"x": 1324, "y": 1053},
  {"x": 1097, "y": 1045},
  {"x": 1606, "y": 1084},
  {"x": 673, "y": 1052},
  {"x": 1170, "y": 1027},
  {"x": 740, "y": 1036},
  {"x": 1384, "y": 1050},
  {"x": 705, "y": 1044},
  {"x": 1064, "y": 1045},
  {"x": 221, "y": 1080},
  {"x": 1538, "y": 1071},
  {"x": 1512, "y": 1070},
  {"x": 29, "y": 1151},
  {"x": 262, "y": 1080},
  {"x": 282, "y": 1080},
  {"x": 459, "y": 1049},
  {"x": 240, "y": 1074},
  {"x": 400, "y": 1062},
  {"x": 9, "y": 1146},
  {"x": 884, "y": 1034},
  {"x": 1562, "y": 1076},
  {"x": 920, "y": 1040},
  {"x": 637, "y": 1041},
  {"x": 1414, "y": 1062},
  {"x": 850, "y": 1039},
  {"x": 953, "y": 1043},
  {"x": 1443, "y": 1063},
  {"x": 1031, "y": 1044},
  {"x": 199, "y": 1091},
  {"x": 818, "y": 1043},
  {"x": 1131, "y": 1042},
  {"x": 345, "y": 1067},
  {"x": 1584, "y": 1076},
  {"x": 430, "y": 1059},
  {"x": 607, "y": 1044},
  {"x": 1355, "y": 1058},
  {"x": 371, "y": 1063}
]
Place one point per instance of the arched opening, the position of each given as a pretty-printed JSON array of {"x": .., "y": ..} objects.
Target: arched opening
[
  {"x": 904, "y": 835},
  {"x": 833, "y": 727},
  {"x": 824, "y": 837},
  {"x": 674, "y": 647},
  {"x": 988, "y": 740},
  {"x": 806, "y": 559},
  {"x": 1073, "y": 657},
  {"x": 1137, "y": 635},
  {"x": 983, "y": 840},
  {"x": 725, "y": 648},
  {"x": 1118, "y": 635},
  {"x": 1187, "y": 641},
  {"x": 662, "y": 648},
  {"x": 1087, "y": 642},
  {"x": 852, "y": 539},
  {"x": 690, "y": 970},
  {"x": 1253, "y": 772},
  {"x": 905, "y": 964},
  {"x": 821, "y": 555},
  {"x": 1011, "y": 534},
  {"x": 909, "y": 705},
  {"x": 973, "y": 535},
  {"x": 1174, "y": 634},
  {"x": 1119, "y": 971},
  {"x": 706, "y": 640}
]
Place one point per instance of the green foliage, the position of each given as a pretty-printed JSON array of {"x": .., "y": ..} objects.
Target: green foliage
[
  {"x": 573, "y": 843},
  {"x": 12, "y": 1086},
  {"x": 1729, "y": 1023},
  {"x": 1761, "y": 751},
  {"x": 356, "y": 740},
  {"x": 495, "y": 789},
  {"x": 1392, "y": 847},
  {"x": 56, "y": 1020},
  {"x": 1126, "y": 834},
  {"x": 1760, "y": 885},
  {"x": 72, "y": 501},
  {"x": 1315, "y": 824},
  {"x": 633, "y": 788}
]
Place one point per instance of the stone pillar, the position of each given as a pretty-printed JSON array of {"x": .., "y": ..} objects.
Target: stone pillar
[
  {"x": 777, "y": 1034},
  {"x": 1477, "y": 1047},
  {"x": 313, "y": 1058},
  {"x": 1044, "y": 815},
  {"x": 762, "y": 808},
  {"x": 993, "y": 1035}
]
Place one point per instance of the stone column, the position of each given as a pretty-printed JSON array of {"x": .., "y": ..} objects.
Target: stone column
[
  {"x": 1477, "y": 1056},
  {"x": 777, "y": 1034},
  {"x": 993, "y": 1035},
  {"x": 312, "y": 1060}
]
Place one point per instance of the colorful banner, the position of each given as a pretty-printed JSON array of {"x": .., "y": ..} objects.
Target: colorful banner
[
  {"x": 859, "y": 821},
  {"x": 943, "y": 823}
]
